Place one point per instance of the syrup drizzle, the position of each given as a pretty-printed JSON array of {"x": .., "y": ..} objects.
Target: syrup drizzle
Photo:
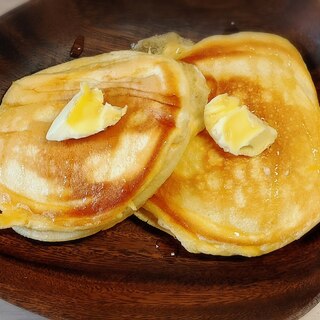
[{"x": 77, "y": 47}]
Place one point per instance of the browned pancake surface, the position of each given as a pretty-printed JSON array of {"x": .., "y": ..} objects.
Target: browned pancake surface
[
  {"x": 98, "y": 180},
  {"x": 218, "y": 203}
]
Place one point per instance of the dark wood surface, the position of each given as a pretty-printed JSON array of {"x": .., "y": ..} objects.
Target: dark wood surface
[{"x": 134, "y": 271}]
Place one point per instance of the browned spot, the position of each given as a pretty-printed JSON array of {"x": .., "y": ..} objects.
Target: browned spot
[
  {"x": 262, "y": 179},
  {"x": 168, "y": 209},
  {"x": 63, "y": 162},
  {"x": 212, "y": 84},
  {"x": 126, "y": 91},
  {"x": 110, "y": 195},
  {"x": 236, "y": 48}
]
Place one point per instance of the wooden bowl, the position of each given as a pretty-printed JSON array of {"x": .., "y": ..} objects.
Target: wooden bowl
[{"x": 132, "y": 270}]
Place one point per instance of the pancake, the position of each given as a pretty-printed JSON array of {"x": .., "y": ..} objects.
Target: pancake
[
  {"x": 221, "y": 204},
  {"x": 58, "y": 191}
]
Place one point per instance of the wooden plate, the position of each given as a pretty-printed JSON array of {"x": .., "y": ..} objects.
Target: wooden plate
[{"x": 134, "y": 271}]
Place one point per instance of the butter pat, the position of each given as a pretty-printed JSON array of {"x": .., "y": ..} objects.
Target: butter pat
[
  {"x": 84, "y": 116},
  {"x": 235, "y": 129}
]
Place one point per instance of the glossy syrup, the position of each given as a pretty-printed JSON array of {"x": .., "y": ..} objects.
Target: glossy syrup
[{"x": 77, "y": 47}]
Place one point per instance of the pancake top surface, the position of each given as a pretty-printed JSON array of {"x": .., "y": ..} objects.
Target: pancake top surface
[
  {"x": 74, "y": 182},
  {"x": 252, "y": 205}
]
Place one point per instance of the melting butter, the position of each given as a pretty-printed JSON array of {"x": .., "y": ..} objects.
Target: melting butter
[
  {"x": 169, "y": 44},
  {"x": 235, "y": 129},
  {"x": 84, "y": 115}
]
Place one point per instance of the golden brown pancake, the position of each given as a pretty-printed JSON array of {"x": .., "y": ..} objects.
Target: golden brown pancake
[
  {"x": 57, "y": 191},
  {"x": 218, "y": 203}
]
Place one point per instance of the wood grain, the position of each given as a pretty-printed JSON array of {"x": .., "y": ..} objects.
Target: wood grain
[{"x": 133, "y": 271}]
